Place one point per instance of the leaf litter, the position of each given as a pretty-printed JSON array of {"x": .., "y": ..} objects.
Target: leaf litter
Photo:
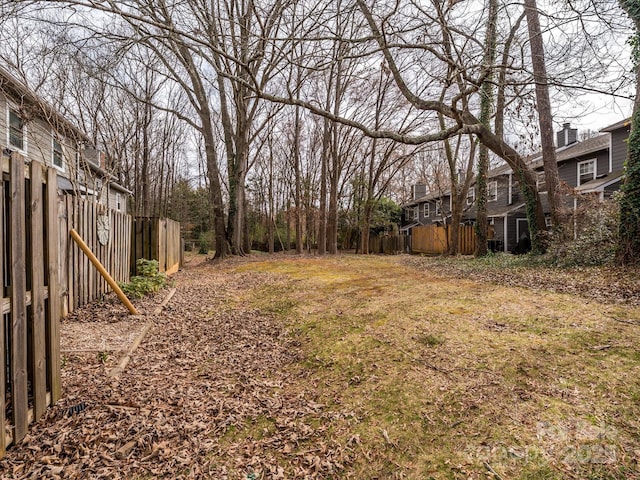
[{"x": 204, "y": 396}]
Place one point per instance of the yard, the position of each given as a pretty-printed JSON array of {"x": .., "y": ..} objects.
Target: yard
[{"x": 360, "y": 367}]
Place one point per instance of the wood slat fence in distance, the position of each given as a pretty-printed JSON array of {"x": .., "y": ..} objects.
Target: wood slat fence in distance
[
  {"x": 434, "y": 239},
  {"x": 29, "y": 331},
  {"x": 157, "y": 239},
  {"x": 387, "y": 244}
]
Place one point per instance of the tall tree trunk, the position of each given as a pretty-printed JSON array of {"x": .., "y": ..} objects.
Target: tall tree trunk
[
  {"x": 629, "y": 230},
  {"x": 545, "y": 118},
  {"x": 298, "y": 181},
  {"x": 486, "y": 103},
  {"x": 322, "y": 220}
]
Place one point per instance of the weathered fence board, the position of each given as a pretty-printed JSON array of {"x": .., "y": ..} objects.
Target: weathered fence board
[
  {"x": 45, "y": 275},
  {"x": 3, "y": 334},
  {"x": 37, "y": 321},
  {"x": 17, "y": 242},
  {"x": 29, "y": 365},
  {"x": 157, "y": 239},
  {"x": 387, "y": 244},
  {"x": 83, "y": 283},
  {"x": 435, "y": 239}
]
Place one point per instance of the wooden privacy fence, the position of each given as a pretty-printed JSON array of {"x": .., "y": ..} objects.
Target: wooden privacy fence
[
  {"x": 434, "y": 239},
  {"x": 107, "y": 233},
  {"x": 29, "y": 264},
  {"x": 387, "y": 244},
  {"x": 157, "y": 239}
]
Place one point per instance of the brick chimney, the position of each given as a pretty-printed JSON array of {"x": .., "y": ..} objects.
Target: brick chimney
[{"x": 567, "y": 135}]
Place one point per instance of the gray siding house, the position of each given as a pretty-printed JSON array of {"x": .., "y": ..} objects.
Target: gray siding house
[
  {"x": 32, "y": 128},
  {"x": 592, "y": 166}
]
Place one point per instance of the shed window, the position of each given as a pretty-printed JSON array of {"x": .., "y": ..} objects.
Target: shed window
[
  {"x": 16, "y": 130},
  {"x": 586, "y": 171},
  {"x": 118, "y": 202},
  {"x": 425, "y": 210}
]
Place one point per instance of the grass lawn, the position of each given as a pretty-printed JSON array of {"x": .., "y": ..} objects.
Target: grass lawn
[{"x": 430, "y": 376}]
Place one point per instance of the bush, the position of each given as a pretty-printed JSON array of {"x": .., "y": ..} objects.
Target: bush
[
  {"x": 148, "y": 280},
  {"x": 596, "y": 235}
]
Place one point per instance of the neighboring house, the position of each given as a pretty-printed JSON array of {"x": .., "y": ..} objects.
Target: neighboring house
[
  {"x": 32, "y": 128},
  {"x": 593, "y": 166}
]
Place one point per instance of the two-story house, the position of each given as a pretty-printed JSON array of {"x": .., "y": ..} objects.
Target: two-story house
[
  {"x": 592, "y": 166},
  {"x": 32, "y": 128}
]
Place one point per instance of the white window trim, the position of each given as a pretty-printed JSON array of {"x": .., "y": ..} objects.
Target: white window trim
[
  {"x": 471, "y": 196},
  {"x": 118, "y": 202},
  {"x": 493, "y": 185},
  {"x": 541, "y": 179},
  {"x": 23, "y": 151},
  {"x": 53, "y": 143},
  {"x": 438, "y": 208},
  {"x": 595, "y": 170},
  {"x": 425, "y": 209}
]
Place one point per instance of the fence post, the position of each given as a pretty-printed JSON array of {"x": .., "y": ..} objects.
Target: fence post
[
  {"x": 3, "y": 355},
  {"x": 54, "y": 284},
  {"x": 18, "y": 301},
  {"x": 38, "y": 350}
]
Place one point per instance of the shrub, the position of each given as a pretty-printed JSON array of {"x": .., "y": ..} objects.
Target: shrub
[
  {"x": 148, "y": 280},
  {"x": 596, "y": 235}
]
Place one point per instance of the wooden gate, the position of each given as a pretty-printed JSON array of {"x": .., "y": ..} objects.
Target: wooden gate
[
  {"x": 434, "y": 239},
  {"x": 29, "y": 262}
]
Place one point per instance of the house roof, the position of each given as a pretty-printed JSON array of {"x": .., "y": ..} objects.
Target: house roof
[
  {"x": 500, "y": 212},
  {"x": 577, "y": 149},
  {"x": 622, "y": 123},
  {"x": 598, "y": 184},
  {"x": 16, "y": 89}
]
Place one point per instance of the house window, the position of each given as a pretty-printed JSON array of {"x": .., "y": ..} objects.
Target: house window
[
  {"x": 471, "y": 196},
  {"x": 586, "y": 171},
  {"x": 547, "y": 221},
  {"x": 16, "y": 131},
  {"x": 118, "y": 202},
  {"x": 438, "y": 207},
  {"x": 425, "y": 210},
  {"x": 541, "y": 182},
  {"x": 57, "y": 152},
  {"x": 492, "y": 191}
]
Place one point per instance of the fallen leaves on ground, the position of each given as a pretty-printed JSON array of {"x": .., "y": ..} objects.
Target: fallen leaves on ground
[{"x": 203, "y": 374}]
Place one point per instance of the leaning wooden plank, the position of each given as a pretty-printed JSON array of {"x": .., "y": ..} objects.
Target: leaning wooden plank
[
  {"x": 54, "y": 282},
  {"x": 96, "y": 263},
  {"x": 3, "y": 354},
  {"x": 18, "y": 307},
  {"x": 38, "y": 351}
]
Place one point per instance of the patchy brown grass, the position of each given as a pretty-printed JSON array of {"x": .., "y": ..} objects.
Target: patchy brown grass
[
  {"x": 362, "y": 367},
  {"x": 451, "y": 378}
]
